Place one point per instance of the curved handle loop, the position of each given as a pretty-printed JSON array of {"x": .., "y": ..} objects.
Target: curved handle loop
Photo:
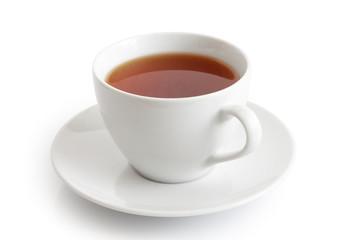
[{"x": 252, "y": 128}]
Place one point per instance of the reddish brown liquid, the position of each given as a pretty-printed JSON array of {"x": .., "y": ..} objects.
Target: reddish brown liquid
[{"x": 172, "y": 75}]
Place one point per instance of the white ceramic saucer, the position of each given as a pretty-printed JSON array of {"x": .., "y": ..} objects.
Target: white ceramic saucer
[{"x": 88, "y": 162}]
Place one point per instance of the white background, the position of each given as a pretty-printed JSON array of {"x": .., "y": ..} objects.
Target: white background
[{"x": 305, "y": 69}]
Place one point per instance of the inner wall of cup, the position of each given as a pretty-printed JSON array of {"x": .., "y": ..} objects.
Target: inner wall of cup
[{"x": 131, "y": 48}]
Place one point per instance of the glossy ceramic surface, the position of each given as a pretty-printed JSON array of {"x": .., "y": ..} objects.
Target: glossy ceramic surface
[
  {"x": 88, "y": 161},
  {"x": 180, "y": 138}
]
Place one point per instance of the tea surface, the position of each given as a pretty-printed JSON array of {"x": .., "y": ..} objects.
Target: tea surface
[{"x": 172, "y": 75}]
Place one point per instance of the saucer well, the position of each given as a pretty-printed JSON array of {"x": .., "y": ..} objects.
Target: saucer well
[{"x": 88, "y": 162}]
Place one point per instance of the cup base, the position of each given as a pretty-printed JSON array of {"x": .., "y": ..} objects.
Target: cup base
[{"x": 173, "y": 180}]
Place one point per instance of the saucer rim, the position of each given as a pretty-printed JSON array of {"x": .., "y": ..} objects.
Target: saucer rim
[{"x": 176, "y": 213}]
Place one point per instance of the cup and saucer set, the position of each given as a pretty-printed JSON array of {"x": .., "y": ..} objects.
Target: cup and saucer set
[{"x": 172, "y": 157}]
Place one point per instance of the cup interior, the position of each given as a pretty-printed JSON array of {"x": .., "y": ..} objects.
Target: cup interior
[{"x": 159, "y": 43}]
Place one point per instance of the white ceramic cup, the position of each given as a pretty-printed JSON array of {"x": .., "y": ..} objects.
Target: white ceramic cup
[{"x": 175, "y": 139}]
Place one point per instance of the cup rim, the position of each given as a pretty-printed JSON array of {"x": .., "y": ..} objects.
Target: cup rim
[{"x": 177, "y": 99}]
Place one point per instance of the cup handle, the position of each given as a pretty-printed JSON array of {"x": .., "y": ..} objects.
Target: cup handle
[{"x": 252, "y": 128}]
